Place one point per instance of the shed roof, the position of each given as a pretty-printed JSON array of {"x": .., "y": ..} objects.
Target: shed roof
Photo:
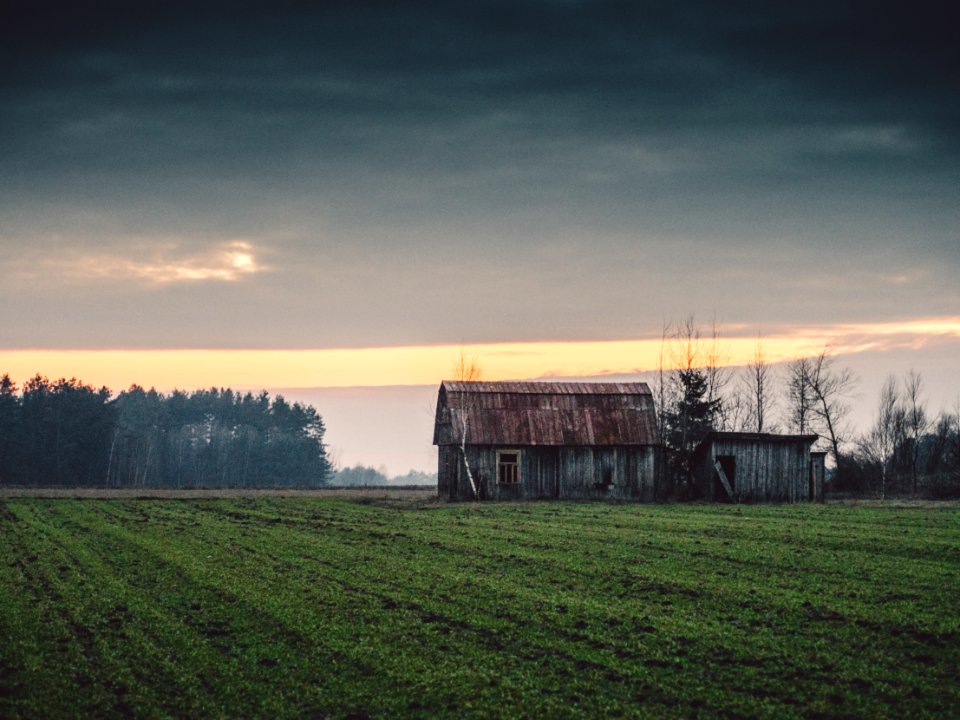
[{"x": 545, "y": 413}]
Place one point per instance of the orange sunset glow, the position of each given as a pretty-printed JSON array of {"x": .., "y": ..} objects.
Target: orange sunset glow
[{"x": 253, "y": 368}]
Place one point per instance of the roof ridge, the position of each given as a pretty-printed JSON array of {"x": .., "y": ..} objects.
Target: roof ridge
[{"x": 541, "y": 387}]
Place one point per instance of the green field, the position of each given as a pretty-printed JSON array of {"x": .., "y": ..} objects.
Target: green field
[{"x": 306, "y": 607}]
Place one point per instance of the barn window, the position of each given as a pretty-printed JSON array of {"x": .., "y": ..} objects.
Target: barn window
[{"x": 508, "y": 467}]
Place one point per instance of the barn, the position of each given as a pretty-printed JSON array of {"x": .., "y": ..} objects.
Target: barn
[
  {"x": 541, "y": 440},
  {"x": 758, "y": 467}
]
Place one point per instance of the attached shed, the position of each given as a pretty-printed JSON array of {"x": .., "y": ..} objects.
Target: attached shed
[
  {"x": 526, "y": 440},
  {"x": 758, "y": 467}
]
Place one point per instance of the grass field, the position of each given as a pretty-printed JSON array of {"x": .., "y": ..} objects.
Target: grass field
[{"x": 307, "y": 607}]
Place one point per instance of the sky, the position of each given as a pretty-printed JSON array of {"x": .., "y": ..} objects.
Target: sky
[{"x": 333, "y": 201}]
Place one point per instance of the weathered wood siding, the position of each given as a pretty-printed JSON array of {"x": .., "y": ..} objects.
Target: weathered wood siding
[
  {"x": 818, "y": 474},
  {"x": 575, "y": 473},
  {"x": 621, "y": 473},
  {"x": 447, "y": 472},
  {"x": 765, "y": 471}
]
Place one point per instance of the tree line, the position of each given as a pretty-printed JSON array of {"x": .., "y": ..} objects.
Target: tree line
[
  {"x": 67, "y": 433},
  {"x": 365, "y": 476},
  {"x": 906, "y": 450}
]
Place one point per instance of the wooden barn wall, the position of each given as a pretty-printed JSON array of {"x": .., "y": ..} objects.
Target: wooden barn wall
[
  {"x": 586, "y": 471},
  {"x": 575, "y": 473},
  {"x": 765, "y": 471},
  {"x": 448, "y": 472}
]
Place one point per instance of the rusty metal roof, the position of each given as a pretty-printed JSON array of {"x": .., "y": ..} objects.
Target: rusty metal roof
[{"x": 545, "y": 413}]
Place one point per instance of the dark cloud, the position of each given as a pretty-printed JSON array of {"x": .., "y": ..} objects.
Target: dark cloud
[{"x": 357, "y": 141}]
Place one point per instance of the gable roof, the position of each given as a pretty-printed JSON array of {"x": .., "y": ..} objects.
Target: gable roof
[{"x": 545, "y": 413}]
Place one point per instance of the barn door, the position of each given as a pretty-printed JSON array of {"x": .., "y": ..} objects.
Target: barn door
[
  {"x": 608, "y": 468},
  {"x": 550, "y": 462}
]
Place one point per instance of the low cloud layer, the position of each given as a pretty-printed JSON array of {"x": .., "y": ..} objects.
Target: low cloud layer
[
  {"x": 435, "y": 173},
  {"x": 145, "y": 263}
]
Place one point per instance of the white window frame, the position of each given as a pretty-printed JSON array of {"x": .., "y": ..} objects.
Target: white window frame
[{"x": 514, "y": 466}]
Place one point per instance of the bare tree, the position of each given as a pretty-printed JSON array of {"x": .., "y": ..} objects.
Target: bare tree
[
  {"x": 467, "y": 370},
  {"x": 736, "y": 407},
  {"x": 917, "y": 422},
  {"x": 686, "y": 357},
  {"x": 718, "y": 377},
  {"x": 755, "y": 383},
  {"x": 939, "y": 450},
  {"x": 831, "y": 387},
  {"x": 335, "y": 457},
  {"x": 800, "y": 395},
  {"x": 660, "y": 398},
  {"x": 686, "y": 351},
  {"x": 879, "y": 445},
  {"x": 683, "y": 349}
]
